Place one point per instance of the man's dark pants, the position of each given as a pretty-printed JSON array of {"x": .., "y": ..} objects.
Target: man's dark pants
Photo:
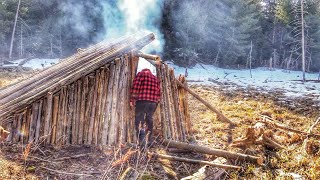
[{"x": 144, "y": 114}]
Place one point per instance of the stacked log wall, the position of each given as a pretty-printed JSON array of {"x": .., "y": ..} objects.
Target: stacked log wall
[{"x": 95, "y": 109}]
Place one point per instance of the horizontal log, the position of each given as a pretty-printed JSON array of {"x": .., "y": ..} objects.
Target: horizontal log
[
  {"x": 216, "y": 152},
  {"x": 148, "y": 56},
  {"x": 175, "y": 158}
]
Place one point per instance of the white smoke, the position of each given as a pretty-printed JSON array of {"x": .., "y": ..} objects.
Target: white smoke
[{"x": 131, "y": 16}]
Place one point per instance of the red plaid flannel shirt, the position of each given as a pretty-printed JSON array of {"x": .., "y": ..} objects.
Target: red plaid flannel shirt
[{"x": 146, "y": 86}]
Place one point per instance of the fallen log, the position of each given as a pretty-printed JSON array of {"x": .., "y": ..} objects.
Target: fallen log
[
  {"x": 216, "y": 152},
  {"x": 175, "y": 158},
  {"x": 220, "y": 115},
  {"x": 271, "y": 124}
]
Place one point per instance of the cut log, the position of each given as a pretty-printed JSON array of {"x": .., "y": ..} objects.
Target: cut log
[
  {"x": 175, "y": 158},
  {"x": 216, "y": 152},
  {"x": 220, "y": 115}
]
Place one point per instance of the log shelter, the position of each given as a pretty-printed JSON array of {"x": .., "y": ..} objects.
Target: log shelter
[{"x": 84, "y": 99}]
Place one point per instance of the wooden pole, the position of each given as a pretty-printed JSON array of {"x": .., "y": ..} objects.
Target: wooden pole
[
  {"x": 114, "y": 115},
  {"x": 54, "y": 118},
  {"x": 220, "y": 115},
  {"x": 216, "y": 152},
  {"x": 38, "y": 124},
  {"x": 89, "y": 103},
  {"x": 48, "y": 118}
]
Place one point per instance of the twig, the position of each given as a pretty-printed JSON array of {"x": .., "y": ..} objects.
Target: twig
[
  {"x": 45, "y": 160},
  {"x": 311, "y": 128},
  {"x": 270, "y": 123},
  {"x": 61, "y": 172},
  {"x": 72, "y": 157}
]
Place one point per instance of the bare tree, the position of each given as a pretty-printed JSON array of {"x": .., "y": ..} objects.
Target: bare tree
[
  {"x": 303, "y": 44},
  {"x": 14, "y": 29}
]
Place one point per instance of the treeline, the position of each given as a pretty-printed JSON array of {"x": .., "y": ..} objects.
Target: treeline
[
  {"x": 48, "y": 28},
  {"x": 227, "y": 33},
  {"x": 240, "y": 33}
]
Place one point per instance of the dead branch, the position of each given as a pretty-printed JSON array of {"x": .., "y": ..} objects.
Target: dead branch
[
  {"x": 72, "y": 157},
  {"x": 216, "y": 152},
  {"x": 314, "y": 125},
  {"x": 270, "y": 123},
  {"x": 68, "y": 173},
  {"x": 175, "y": 158}
]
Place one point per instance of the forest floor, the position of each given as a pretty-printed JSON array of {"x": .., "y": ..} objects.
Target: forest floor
[{"x": 34, "y": 161}]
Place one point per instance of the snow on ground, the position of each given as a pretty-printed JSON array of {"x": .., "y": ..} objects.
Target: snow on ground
[
  {"x": 262, "y": 78},
  {"x": 34, "y": 63}
]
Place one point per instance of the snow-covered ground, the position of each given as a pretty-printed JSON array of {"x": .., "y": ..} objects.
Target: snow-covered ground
[
  {"x": 34, "y": 63},
  {"x": 262, "y": 78}
]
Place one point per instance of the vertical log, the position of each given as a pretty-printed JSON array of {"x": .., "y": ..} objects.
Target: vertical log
[
  {"x": 33, "y": 122},
  {"x": 10, "y": 128},
  {"x": 162, "y": 108},
  {"x": 75, "y": 116},
  {"x": 93, "y": 109},
  {"x": 54, "y": 118},
  {"x": 121, "y": 99},
  {"x": 89, "y": 102},
  {"x": 61, "y": 114},
  {"x": 77, "y": 112},
  {"x": 38, "y": 119},
  {"x": 97, "y": 107},
  {"x": 166, "y": 105},
  {"x": 183, "y": 97},
  {"x": 70, "y": 113},
  {"x": 15, "y": 129},
  {"x": 128, "y": 113},
  {"x": 134, "y": 66},
  {"x": 43, "y": 114},
  {"x": 24, "y": 126},
  {"x": 19, "y": 130},
  {"x": 171, "y": 105},
  {"x": 82, "y": 109},
  {"x": 48, "y": 118},
  {"x": 65, "y": 117},
  {"x": 108, "y": 106},
  {"x": 114, "y": 115},
  {"x": 179, "y": 115},
  {"x": 105, "y": 75}
]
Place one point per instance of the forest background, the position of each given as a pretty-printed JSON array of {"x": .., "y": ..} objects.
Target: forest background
[{"x": 225, "y": 33}]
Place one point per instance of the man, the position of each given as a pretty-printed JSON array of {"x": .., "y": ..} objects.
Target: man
[{"x": 145, "y": 95}]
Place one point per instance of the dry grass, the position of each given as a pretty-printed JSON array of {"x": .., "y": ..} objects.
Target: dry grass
[{"x": 246, "y": 111}]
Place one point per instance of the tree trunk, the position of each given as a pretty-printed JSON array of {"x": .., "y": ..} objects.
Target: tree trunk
[
  {"x": 14, "y": 29},
  {"x": 303, "y": 44}
]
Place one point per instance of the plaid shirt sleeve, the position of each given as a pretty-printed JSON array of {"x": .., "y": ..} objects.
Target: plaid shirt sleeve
[
  {"x": 146, "y": 86},
  {"x": 136, "y": 87}
]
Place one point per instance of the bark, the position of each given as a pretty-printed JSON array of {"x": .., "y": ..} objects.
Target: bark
[{"x": 216, "y": 152}]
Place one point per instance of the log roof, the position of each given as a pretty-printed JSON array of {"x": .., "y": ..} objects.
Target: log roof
[{"x": 17, "y": 96}]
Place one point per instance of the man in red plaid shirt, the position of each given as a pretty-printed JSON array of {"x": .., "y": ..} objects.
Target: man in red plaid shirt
[{"x": 145, "y": 94}]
